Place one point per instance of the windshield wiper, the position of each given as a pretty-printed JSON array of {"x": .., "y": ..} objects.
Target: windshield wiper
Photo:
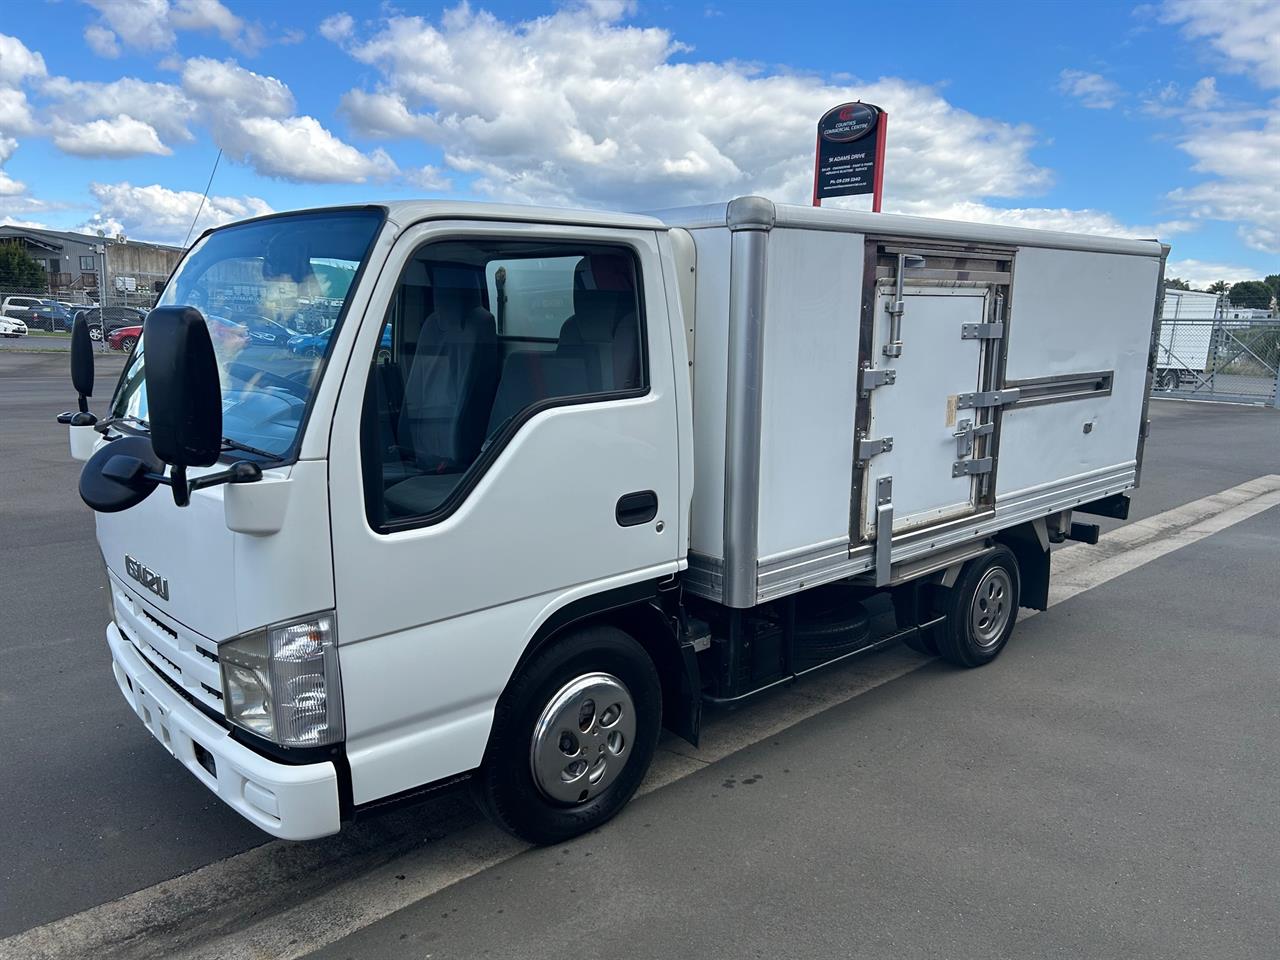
[
  {"x": 102, "y": 425},
  {"x": 229, "y": 444}
]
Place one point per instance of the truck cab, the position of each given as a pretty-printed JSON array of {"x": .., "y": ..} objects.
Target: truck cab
[{"x": 492, "y": 448}]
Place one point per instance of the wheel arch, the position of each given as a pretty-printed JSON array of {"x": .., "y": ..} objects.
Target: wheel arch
[
  {"x": 1030, "y": 545},
  {"x": 648, "y": 612}
]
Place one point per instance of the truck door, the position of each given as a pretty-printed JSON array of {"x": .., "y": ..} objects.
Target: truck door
[
  {"x": 926, "y": 432},
  {"x": 506, "y": 443}
]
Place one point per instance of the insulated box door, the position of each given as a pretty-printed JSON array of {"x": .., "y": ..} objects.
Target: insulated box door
[{"x": 918, "y": 410}]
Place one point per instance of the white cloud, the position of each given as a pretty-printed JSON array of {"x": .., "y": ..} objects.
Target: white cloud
[
  {"x": 1204, "y": 95},
  {"x": 163, "y": 106},
  {"x": 251, "y": 118},
  {"x": 9, "y": 187},
  {"x": 573, "y": 108},
  {"x": 299, "y": 148},
  {"x": 140, "y": 24},
  {"x": 1245, "y": 32},
  {"x": 1092, "y": 89},
  {"x": 1042, "y": 218},
  {"x": 429, "y": 178},
  {"x": 337, "y": 27},
  {"x": 1201, "y": 275},
  {"x": 163, "y": 215},
  {"x": 1242, "y": 157},
  {"x": 207, "y": 15},
  {"x": 17, "y": 62},
  {"x": 15, "y": 111},
  {"x": 101, "y": 41},
  {"x": 229, "y": 89},
  {"x": 120, "y": 136}
]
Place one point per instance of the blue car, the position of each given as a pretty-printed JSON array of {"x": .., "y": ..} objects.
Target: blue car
[{"x": 315, "y": 344}]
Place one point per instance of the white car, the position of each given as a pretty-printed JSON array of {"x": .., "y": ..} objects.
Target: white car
[{"x": 12, "y": 327}]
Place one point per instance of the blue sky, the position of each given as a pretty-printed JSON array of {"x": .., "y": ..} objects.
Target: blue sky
[{"x": 1144, "y": 119}]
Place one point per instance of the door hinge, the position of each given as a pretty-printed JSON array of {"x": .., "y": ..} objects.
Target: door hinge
[
  {"x": 981, "y": 331},
  {"x": 884, "y": 530},
  {"x": 869, "y": 379},
  {"x": 966, "y": 433},
  {"x": 866, "y": 449},
  {"x": 987, "y": 398},
  {"x": 965, "y": 468}
]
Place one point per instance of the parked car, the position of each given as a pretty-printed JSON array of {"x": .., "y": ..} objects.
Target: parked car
[
  {"x": 50, "y": 315},
  {"x": 264, "y": 331},
  {"x": 315, "y": 344},
  {"x": 124, "y": 338},
  {"x": 18, "y": 306},
  {"x": 12, "y": 327},
  {"x": 115, "y": 317}
]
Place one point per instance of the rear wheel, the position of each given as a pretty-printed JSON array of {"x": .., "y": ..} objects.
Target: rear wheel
[
  {"x": 573, "y": 736},
  {"x": 128, "y": 343},
  {"x": 981, "y": 609},
  {"x": 95, "y": 333}
]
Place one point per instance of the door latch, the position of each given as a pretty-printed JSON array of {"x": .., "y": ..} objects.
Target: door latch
[{"x": 966, "y": 433}]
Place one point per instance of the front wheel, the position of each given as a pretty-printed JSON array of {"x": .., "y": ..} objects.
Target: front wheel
[
  {"x": 573, "y": 736},
  {"x": 981, "y": 609},
  {"x": 127, "y": 344},
  {"x": 95, "y": 333}
]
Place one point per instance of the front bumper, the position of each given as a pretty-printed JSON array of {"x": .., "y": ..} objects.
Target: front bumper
[{"x": 293, "y": 802}]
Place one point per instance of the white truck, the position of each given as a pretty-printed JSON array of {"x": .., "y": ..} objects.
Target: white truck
[
  {"x": 559, "y": 478},
  {"x": 1188, "y": 332}
]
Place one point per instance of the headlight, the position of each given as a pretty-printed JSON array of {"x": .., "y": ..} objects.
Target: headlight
[{"x": 282, "y": 682}]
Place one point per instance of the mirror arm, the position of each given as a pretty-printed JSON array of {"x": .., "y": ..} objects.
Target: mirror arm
[{"x": 242, "y": 471}]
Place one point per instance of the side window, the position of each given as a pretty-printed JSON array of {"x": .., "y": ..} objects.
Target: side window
[{"x": 479, "y": 336}]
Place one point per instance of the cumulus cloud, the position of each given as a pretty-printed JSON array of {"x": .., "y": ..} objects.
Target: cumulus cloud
[
  {"x": 161, "y": 214},
  {"x": 337, "y": 27},
  {"x": 17, "y": 62},
  {"x": 228, "y": 88},
  {"x": 120, "y": 136},
  {"x": 1201, "y": 275},
  {"x": 153, "y": 25},
  {"x": 577, "y": 108},
  {"x": 1063, "y": 219},
  {"x": 162, "y": 106},
  {"x": 1245, "y": 32},
  {"x": 9, "y": 187},
  {"x": 1092, "y": 89}
]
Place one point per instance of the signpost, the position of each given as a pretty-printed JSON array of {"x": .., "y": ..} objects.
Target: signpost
[{"x": 849, "y": 158}]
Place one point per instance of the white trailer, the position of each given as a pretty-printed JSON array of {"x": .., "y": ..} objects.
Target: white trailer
[
  {"x": 560, "y": 477},
  {"x": 1188, "y": 329}
]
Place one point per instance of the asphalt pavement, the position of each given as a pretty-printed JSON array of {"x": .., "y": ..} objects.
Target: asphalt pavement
[{"x": 1106, "y": 788}]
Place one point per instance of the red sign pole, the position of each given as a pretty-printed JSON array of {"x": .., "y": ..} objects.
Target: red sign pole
[{"x": 878, "y": 184}]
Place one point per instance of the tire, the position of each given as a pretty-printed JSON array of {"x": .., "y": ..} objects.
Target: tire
[
  {"x": 127, "y": 344},
  {"x": 520, "y": 784},
  {"x": 95, "y": 333},
  {"x": 923, "y": 641},
  {"x": 981, "y": 610}
]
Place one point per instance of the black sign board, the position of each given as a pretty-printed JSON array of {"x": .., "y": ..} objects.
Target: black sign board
[{"x": 850, "y": 153}]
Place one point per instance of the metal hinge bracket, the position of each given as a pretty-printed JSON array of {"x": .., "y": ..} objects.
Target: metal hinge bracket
[
  {"x": 884, "y": 530},
  {"x": 981, "y": 331},
  {"x": 987, "y": 398},
  {"x": 966, "y": 433},
  {"x": 866, "y": 449},
  {"x": 869, "y": 379},
  {"x": 966, "y": 468}
]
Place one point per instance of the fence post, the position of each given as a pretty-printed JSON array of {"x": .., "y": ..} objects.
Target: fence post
[{"x": 1275, "y": 391}]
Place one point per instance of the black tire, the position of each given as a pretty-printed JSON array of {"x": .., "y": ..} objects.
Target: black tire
[
  {"x": 924, "y": 641},
  {"x": 505, "y": 787},
  {"x": 989, "y": 586},
  {"x": 127, "y": 344}
]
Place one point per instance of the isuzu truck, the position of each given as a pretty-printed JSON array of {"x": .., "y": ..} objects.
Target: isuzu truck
[{"x": 557, "y": 479}]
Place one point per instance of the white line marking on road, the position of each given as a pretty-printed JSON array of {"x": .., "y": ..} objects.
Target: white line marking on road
[{"x": 208, "y": 906}]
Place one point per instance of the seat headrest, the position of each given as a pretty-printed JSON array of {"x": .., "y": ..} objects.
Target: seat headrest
[{"x": 603, "y": 293}]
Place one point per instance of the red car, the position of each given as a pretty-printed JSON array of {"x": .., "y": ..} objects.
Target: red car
[{"x": 124, "y": 338}]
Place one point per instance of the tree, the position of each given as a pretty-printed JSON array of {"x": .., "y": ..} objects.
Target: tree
[
  {"x": 19, "y": 270},
  {"x": 1272, "y": 280},
  {"x": 1173, "y": 283},
  {"x": 1219, "y": 286},
  {"x": 1250, "y": 293}
]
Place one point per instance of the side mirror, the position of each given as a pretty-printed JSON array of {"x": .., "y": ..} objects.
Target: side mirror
[
  {"x": 82, "y": 361},
  {"x": 184, "y": 399}
]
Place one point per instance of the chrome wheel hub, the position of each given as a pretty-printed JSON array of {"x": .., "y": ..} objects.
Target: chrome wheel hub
[
  {"x": 583, "y": 738},
  {"x": 992, "y": 607}
]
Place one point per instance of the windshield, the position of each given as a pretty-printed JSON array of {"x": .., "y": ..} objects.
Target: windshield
[{"x": 266, "y": 289}]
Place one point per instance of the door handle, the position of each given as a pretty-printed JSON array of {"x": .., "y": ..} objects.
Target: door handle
[{"x": 636, "y": 508}]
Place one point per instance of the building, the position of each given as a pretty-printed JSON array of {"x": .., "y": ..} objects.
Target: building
[{"x": 77, "y": 264}]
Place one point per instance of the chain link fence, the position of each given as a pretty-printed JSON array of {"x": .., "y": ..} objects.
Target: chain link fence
[{"x": 1236, "y": 361}]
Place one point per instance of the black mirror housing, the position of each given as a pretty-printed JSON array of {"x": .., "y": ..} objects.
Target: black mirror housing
[
  {"x": 184, "y": 399},
  {"x": 81, "y": 360}
]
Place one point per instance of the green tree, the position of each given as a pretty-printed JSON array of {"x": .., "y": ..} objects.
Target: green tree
[
  {"x": 19, "y": 270},
  {"x": 1219, "y": 286},
  {"x": 1272, "y": 280},
  {"x": 1173, "y": 283},
  {"x": 1250, "y": 293}
]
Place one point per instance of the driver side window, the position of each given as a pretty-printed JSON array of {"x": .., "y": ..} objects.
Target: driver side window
[{"x": 479, "y": 336}]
